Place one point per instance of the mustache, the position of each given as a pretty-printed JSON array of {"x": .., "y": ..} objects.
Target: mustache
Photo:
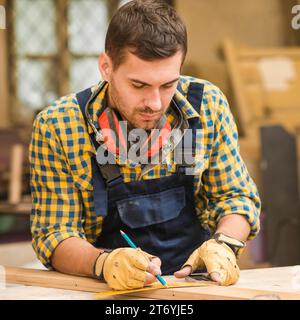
[{"x": 148, "y": 110}]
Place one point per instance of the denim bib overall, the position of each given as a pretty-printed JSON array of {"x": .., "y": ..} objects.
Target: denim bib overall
[{"x": 159, "y": 215}]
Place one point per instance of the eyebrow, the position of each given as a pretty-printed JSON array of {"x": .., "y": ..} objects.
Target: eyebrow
[{"x": 147, "y": 84}]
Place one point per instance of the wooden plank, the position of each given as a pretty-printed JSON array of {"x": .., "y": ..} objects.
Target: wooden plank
[
  {"x": 4, "y": 117},
  {"x": 283, "y": 279},
  {"x": 37, "y": 293},
  {"x": 256, "y": 101},
  {"x": 249, "y": 71},
  {"x": 236, "y": 80},
  {"x": 52, "y": 279},
  {"x": 22, "y": 208},
  {"x": 256, "y": 53},
  {"x": 16, "y": 169},
  {"x": 14, "y": 104},
  {"x": 63, "y": 56},
  {"x": 218, "y": 293},
  {"x": 256, "y": 104}
]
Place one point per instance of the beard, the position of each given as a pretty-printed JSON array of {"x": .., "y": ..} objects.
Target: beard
[{"x": 133, "y": 119}]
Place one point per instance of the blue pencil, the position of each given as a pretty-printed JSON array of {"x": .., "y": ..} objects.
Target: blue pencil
[{"x": 132, "y": 245}]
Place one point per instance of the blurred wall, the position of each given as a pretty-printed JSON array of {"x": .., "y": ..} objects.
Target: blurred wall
[
  {"x": 256, "y": 23},
  {"x": 251, "y": 22}
]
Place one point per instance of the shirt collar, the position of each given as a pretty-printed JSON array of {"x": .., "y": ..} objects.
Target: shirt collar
[
  {"x": 188, "y": 111},
  {"x": 97, "y": 104}
]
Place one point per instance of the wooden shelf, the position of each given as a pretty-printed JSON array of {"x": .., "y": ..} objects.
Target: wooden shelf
[{"x": 22, "y": 208}]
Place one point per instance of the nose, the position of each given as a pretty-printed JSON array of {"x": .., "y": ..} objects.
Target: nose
[{"x": 153, "y": 101}]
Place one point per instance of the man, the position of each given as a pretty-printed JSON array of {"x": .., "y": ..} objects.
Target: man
[{"x": 183, "y": 216}]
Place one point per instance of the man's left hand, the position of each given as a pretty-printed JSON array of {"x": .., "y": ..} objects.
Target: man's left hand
[{"x": 217, "y": 258}]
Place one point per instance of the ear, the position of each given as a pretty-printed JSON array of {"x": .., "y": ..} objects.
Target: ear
[{"x": 105, "y": 66}]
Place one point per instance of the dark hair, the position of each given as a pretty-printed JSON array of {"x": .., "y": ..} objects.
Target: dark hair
[{"x": 150, "y": 29}]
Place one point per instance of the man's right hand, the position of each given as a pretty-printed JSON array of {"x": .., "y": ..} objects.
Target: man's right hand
[{"x": 128, "y": 268}]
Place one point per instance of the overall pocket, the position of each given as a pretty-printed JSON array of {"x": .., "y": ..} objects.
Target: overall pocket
[{"x": 146, "y": 210}]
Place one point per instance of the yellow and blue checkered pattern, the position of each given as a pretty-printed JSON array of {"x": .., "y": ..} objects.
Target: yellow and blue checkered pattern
[{"x": 61, "y": 175}]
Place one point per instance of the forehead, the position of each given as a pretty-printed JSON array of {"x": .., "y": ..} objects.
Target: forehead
[{"x": 165, "y": 69}]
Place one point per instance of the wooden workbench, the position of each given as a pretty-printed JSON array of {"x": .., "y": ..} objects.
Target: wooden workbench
[{"x": 284, "y": 282}]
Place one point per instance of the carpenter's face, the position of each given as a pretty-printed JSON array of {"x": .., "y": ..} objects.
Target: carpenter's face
[{"x": 141, "y": 90}]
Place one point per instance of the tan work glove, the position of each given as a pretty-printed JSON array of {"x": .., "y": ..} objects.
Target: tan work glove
[
  {"x": 127, "y": 268},
  {"x": 219, "y": 260}
]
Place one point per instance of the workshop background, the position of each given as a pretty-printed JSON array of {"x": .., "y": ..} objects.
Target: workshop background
[{"x": 250, "y": 49}]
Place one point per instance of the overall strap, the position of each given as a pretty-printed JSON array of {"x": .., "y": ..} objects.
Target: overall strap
[
  {"x": 194, "y": 97},
  {"x": 194, "y": 94},
  {"x": 99, "y": 182},
  {"x": 83, "y": 98}
]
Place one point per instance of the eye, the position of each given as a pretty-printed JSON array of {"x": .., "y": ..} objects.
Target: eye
[
  {"x": 168, "y": 86},
  {"x": 138, "y": 86}
]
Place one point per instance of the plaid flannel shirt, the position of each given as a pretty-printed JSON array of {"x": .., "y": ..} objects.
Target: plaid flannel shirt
[{"x": 61, "y": 177}]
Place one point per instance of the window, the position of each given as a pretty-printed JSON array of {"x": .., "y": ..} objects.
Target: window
[{"x": 53, "y": 49}]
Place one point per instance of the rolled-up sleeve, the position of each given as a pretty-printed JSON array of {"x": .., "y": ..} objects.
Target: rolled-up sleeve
[
  {"x": 227, "y": 185},
  {"x": 56, "y": 205}
]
